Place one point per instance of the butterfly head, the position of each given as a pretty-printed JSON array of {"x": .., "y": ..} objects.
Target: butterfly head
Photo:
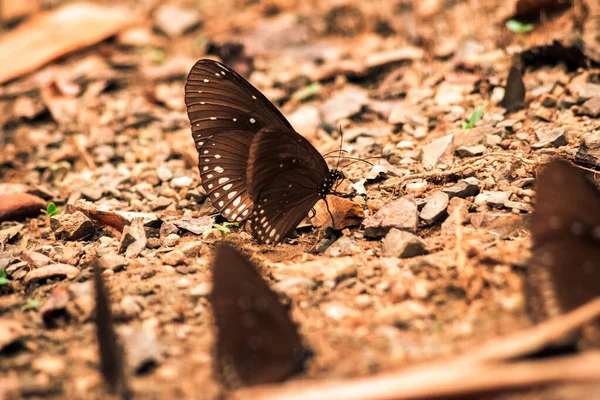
[{"x": 334, "y": 176}]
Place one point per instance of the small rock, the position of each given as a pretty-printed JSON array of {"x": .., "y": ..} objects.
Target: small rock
[
  {"x": 591, "y": 107},
  {"x": 346, "y": 213},
  {"x": 554, "y": 137},
  {"x": 191, "y": 249},
  {"x": 344, "y": 104},
  {"x": 74, "y": 226},
  {"x": 113, "y": 261},
  {"x": 400, "y": 214},
  {"x": 493, "y": 199},
  {"x": 402, "y": 244},
  {"x": 438, "y": 151},
  {"x": 35, "y": 259},
  {"x": 470, "y": 151},
  {"x": 339, "y": 312},
  {"x": 435, "y": 208},
  {"x": 182, "y": 182},
  {"x": 175, "y": 257},
  {"x": 344, "y": 246},
  {"x": 164, "y": 173},
  {"x": 544, "y": 114},
  {"x": 143, "y": 350},
  {"x": 584, "y": 90},
  {"x": 492, "y": 140},
  {"x": 420, "y": 289},
  {"x": 10, "y": 332},
  {"x": 589, "y": 150},
  {"x": 92, "y": 193},
  {"x": 196, "y": 226},
  {"x": 463, "y": 188},
  {"x": 377, "y": 171},
  {"x": 171, "y": 240},
  {"x": 52, "y": 271},
  {"x": 175, "y": 21},
  {"x": 306, "y": 120},
  {"x": 68, "y": 254},
  {"x": 133, "y": 239},
  {"x": 17, "y": 207},
  {"x": 201, "y": 290},
  {"x": 49, "y": 365},
  {"x": 363, "y": 301},
  {"x": 416, "y": 187},
  {"x": 291, "y": 286},
  {"x": 335, "y": 270},
  {"x": 128, "y": 308},
  {"x": 548, "y": 101},
  {"x": 402, "y": 314}
]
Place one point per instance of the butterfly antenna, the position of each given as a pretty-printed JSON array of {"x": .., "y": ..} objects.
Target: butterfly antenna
[
  {"x": 341, "y": 144},
  {"x": 335, "y": 151}
]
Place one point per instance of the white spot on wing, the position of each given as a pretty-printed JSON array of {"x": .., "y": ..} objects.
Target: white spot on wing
[
  {"x": 219, "y": 169},
  {"x": 223, "y": 180},
  {"x": 237, "y": 201},
  {"x": 252, "y": 120},
  {"x": 228, "y": 186},
  {"x": 231, "y": 195}
]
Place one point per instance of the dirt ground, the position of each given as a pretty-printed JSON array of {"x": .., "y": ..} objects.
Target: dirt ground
[{"x": 105, "y": 128}]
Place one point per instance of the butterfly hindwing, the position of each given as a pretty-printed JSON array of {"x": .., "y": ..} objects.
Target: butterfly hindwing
[
  {"x": 565, "y": 265},
  {"x": 257, "y": 342},
  {"x": 286, "y": 177}
]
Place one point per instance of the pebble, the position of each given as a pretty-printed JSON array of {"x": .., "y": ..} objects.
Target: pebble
[
  {"x": 491, "y": 198},
  {"x": 591, "y": 107},
  {"x": 201, "y": 290},
  {"x": 402, "y": 244},
  {"x": 470, "y": 151},
  {"x": 52, "y": 271},
  {"x": 464, "y": 188},
  {"x": 589, "y": 150},
  {"x": 74, "y": 226},
  {"x": 174, "y": 21},
  {"x": 164, "y": 174},
  {"x": 175, "y": 257},
  {"x": 113, "y": 261},
  {"x": 133, "y": 239},
  {"x": 344, "y": 104},
  {"x": 171, "y": 240},
  {"x": 344, "y": 246},
  {"x": 400, "y": 214},
  {"x": 182, "y": 182},
  {"x": 402, "y": 314},
  {"x": 550, "y": 138},
  {"x": 438, "y": 151},
  {"x": 35, "y": 259},
  {"x": 306, "y": 120},
  {"x": 435, "y": 208}
]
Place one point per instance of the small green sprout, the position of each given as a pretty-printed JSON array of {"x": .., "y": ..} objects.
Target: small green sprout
[
  {"x": 223, "y": 228},
  {"x": 307, "y": 92},
  {"x": 518, "y": 27},
  {"x": 30, "y": 305},
  {"x": 52, "y": 210},
  {"x": 3, "y": 280},
  {"x": 476, "y": 116}
]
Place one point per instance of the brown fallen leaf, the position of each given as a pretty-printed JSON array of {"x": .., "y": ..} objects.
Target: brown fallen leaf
[
  {"x": 345, "y": 213},
  {"x": 53, "y": 34},
  {"x": 17, "y": 207},
  {"x": 55, "y": 307}
]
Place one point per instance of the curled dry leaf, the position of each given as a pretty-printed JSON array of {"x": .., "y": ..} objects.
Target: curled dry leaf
[{"x": 17, "y": 207}]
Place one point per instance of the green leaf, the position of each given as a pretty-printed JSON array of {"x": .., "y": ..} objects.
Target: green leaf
[
  {"x": 224, "y": 227},
  {"x": 52, "y": 210},
  {"x": 307, "y": 92},
  {"x": 3, "y": 279},
  {"x": 476, "y": 116},
  {"x": 30, "y": 305},
  {"x": 518, "y": 27}
]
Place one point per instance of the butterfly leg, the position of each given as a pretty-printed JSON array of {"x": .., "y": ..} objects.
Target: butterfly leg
[
  {"x": 312, "y": 213},
  {"x": 330, "y": 214}
]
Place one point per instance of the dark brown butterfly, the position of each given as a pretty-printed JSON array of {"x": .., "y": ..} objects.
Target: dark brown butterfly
[
  {"x": 112, "y": 363},
  {"x": 514, "y": 92},
  {"x": 252, "y": 163},
  {"x": 565, "y": 264},
  {"x": 257, "y": 342}
]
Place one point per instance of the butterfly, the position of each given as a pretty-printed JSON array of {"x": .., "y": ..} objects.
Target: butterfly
[
  {"x": 112, "y": 363},
  {"x": 564, "y": 270},
  {"x": 514, "y": 93},
  {"x": 252, "y": 163},
  {"x": 257, "y": 342}
]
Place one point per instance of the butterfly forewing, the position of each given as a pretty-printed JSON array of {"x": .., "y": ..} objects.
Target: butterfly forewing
[
  {"x": 218, "y": 100},
  {"x": 257, "y": 342},
  {"x": 285, "y": 177},
  {"x": 565, "y": 265}
]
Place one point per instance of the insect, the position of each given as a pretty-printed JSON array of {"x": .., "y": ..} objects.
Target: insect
[
  {"x": 253, "y": 164},
  {"x": 565, "y": 264},
  {"x": 514, "y": 93},
  {"x": 257, "y": 342}
]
